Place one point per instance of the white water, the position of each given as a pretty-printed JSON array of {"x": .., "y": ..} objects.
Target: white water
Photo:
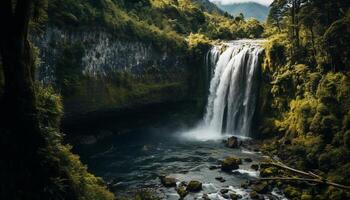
[{"x": 233, "y": 90}]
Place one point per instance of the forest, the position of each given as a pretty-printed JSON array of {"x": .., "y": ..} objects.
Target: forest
[{"x": 174, "y": 99}]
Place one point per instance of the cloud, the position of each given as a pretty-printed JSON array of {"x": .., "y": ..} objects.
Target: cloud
[{"x": 264, "y": 2}]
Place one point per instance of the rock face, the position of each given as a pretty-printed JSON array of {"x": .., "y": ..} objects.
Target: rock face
[
  {"x": 95, "y": 70},
  {"x": 194, "y": 186},
  {"x": 230, "y": 163}
]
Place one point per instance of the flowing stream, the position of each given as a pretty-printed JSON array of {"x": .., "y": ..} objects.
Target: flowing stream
[{"x": 136, "y": 159}]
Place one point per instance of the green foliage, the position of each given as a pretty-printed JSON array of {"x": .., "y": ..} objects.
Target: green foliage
[
  {"x": 84, "y": 184},
  {"x": 198, "y": 45},
  {"x": 161, "y": 22},
  {"x": 318, "y": 31}
]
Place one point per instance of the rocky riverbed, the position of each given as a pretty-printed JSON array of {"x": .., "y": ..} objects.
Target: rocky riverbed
[{"x": 173, "y": 167}]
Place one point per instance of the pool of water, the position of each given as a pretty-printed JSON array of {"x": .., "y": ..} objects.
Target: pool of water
[{"x": 136, "y": 159}]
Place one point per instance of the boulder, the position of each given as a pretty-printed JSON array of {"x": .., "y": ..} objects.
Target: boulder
[
  {"x": 235, "y": 196},
  {"x": 194, "y": 186},
  {"x": 255, "y": 167},
  {"x": 232, "y": 142},
  {"x": 182, "y": 191},
  {"x": 255, "y": 195},
  {"x": 260, "y": 187},
  {"x": 224, "y": 191},
  {"x": 168, "y": 181},
  {"x": 230, "y": 163}
]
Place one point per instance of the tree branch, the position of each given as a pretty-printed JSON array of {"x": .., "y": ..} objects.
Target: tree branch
[{"x": 314, "y": 178}]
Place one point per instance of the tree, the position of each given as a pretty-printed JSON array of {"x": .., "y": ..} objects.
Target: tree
[{"x": 22, "y": 141}]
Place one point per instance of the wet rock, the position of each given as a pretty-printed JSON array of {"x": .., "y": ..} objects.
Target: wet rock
[
  {"x": 232, "y": 142},
  {"x": 244, "y": 185},
  {"x": 214, "y": 167},
  {"x": 248, "y": 160},
  {"x": 224, "y": 191},
  {"x": 182, "y": 191},
  {"x": 205, "y": 197},
  {"x": 168, "y": 181},
  {"x": 255, "y": 167},
  {"x": 225, "y": 196},
  {"x": 235, "y": 196},
  {"x": 221, "y": 179},
  {"x": 230, "y": 163},
  {"x": 255, "y": 195},
  {"x": 260, "y": 187},
  {"x": 194, "y": 186},
  {"x": 182, "y": 183}
]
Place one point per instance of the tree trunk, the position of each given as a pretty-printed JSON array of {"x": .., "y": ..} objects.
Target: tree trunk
[{"x": 20, "y": 134}]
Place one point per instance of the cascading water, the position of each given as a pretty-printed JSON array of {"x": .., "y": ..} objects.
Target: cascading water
[{"x": 233, "y": 90}]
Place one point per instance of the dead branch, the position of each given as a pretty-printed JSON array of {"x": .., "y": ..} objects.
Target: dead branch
[
  {"x": 314, "y": 178},
  {"x": 318, "y": 181}
]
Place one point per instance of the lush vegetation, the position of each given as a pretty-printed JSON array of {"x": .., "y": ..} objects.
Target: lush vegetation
[
  {"x": 85, "y": 185},
  {"x": 307, "y": 93},
  {"x": 158, "y": 21}
]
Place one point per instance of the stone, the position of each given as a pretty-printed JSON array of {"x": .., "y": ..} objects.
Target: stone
[
  {"x": 232, "y": 142},
  {"x": 194, "y": 186},
  {"x": 168, "y": 181},
  {"x": 230, "y": 163},
  {"x": 248, "y": 160},
  {"x": 182, "y": 191},
  {"x": 255, "y": 167},
  {"x": 221, "y": 179},
  {"x": 224, "y": 191},
  {"x": 255, "y": 195},
  {"x": 235, "y": 196},
  {"x": 244, "y": 185},
  {"x": 260, "y": 187}
]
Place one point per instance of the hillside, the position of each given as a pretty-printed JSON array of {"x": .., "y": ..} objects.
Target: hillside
[{"x": 249, "y": 10}]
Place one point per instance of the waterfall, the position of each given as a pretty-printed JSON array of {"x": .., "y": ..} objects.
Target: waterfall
[{"x": 233, "y": 87}]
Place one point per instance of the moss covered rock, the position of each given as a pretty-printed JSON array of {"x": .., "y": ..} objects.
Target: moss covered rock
[
  {"x": 168, "y": 181},
  {"x": 230, "y": 163},
  {"x": 194, "y": 186},
  {"x": 182, "y": 191},
  {"x": 260, "y": 187}
]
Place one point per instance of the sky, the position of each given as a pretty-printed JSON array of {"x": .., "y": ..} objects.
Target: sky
[{"x": 264, "y": 2}]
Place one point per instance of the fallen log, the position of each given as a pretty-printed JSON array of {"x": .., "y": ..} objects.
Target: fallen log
[
  {"x": 313, "y": 178},
  {"x": 318, "y": 181}
]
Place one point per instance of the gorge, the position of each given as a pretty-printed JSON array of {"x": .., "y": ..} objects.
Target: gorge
[{"x": 174, "y": 99}]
